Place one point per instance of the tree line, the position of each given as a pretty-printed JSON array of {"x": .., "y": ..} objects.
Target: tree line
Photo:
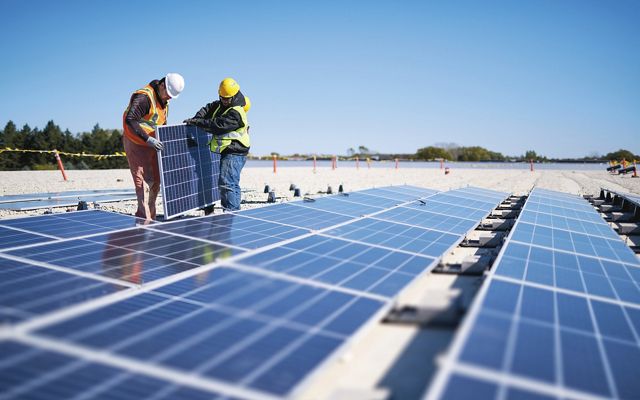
[
  {"x": 477, "y": 153},
  {"x": 109, "y": 141},
  {"x": 51, "y": 137}
]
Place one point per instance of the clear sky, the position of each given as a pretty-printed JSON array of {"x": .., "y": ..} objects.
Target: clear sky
[{"x": 561, "y": 77}]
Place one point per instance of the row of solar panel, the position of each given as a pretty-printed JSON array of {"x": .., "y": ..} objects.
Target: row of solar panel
[
  {"x": 242, "y": 331},
  {"x": 560, "y": 314}
]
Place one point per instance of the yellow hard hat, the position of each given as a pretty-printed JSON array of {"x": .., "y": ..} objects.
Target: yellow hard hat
[
  {"x": 228, "y": 87},
  {"x": 247, "y": 104}
]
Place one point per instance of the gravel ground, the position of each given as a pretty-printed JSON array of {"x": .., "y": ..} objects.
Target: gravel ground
[{"x": 310, "y": 183}]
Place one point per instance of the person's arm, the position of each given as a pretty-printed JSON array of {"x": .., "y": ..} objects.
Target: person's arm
[
  {"x": 221, "y": 124},
  {"x": 140, "y": 106}
]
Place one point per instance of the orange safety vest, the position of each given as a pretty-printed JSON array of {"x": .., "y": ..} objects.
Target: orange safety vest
[{"x": 156, "y": 116}]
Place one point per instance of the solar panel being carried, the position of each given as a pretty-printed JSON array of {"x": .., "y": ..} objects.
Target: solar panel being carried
[
  {"x": 558, "y": 316},
  {"x": 189, "y": 170}
]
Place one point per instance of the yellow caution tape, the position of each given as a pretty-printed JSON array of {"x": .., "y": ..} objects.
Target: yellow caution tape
[{"x": 64, "y": 153}]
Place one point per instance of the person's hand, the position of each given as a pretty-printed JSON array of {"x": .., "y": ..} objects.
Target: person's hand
[
  {"x": 191, "y": 121},
  {"x": 155, "y": 143}
]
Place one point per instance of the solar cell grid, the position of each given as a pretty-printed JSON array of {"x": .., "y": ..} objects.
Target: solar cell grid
[
  {"x": 596, "y": 246},
  {"x": 464, "y": 200},
  {"x": 233, "y": 229},
  {"x": 31, "y": 373},
  {"x": 232, "y": 326},
  {"x": 137, "y": 256},
  {"x": 396, "y": 236},
  {"x": 27, "y": 290},
  {"x": 73, "y": 224},
  {"x": 425, "y": 219},
  {"x": 333, "y": 205},
  {"x": 188, "y": 168},
  {"x": 575, "y": 225},
  {"x": 14, "y": 238},
  {"x": 575, "y": 295},
  {"x": 449, "y": 209},
  {"x": 297, "y": 216},
  {"x": 394, "y": 195},
  {"x": 578, "y": 340},
  {"x": 341, "y": 263},
  {"x": 369, "y": 200},
  {"x": 590, "y": 215}
]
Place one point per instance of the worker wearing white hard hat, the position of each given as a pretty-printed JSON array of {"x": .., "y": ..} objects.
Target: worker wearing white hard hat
[{"x": 147, "y": 109}]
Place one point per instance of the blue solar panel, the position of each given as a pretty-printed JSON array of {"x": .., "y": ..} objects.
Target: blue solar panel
[
  {"x": 301, "y": 217},
  {"x": 367, "y": 199},
  {"x": 188, "y": 168},
  {"x": 28, "y": 290},
  {"x": 397, "y": 195},
  {"x": 65, "y": 202},
  {"x": 415, "y": 216},
  {"x": 233, "y": 229},
  {"x": 449, "y": 209},
  {"x": 136, "y": 255},
  {"x": 559, "y": 316},
  {"x": 72, "y": 224},
  {"x": 598, "y": 228},
  {"x": 28, "y": 372},
  {"x": 14, "y": 238},
  {"x": 397, "y": 236},
  {"x": 464, "y": 199},
  {"x": 332, "y": 204},
  {"x": 344, "y": 264},
  {"x": 259, "y": 333}
]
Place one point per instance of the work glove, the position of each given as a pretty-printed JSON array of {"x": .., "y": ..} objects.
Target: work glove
[
  {"x": 155, "y": 143},
  {"x": 193, "y": 121}
]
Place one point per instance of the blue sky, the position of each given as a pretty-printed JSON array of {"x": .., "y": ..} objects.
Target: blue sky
[{"x": 559, "y": 77}]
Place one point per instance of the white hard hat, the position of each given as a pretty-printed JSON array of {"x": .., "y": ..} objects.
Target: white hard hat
[{"x": 174, "y": 83}]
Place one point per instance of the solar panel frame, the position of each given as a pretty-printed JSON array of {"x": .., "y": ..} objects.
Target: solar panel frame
[{"x": 189, "y": 171}]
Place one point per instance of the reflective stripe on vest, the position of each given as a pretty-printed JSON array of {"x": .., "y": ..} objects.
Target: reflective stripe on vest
[
  {"x": 156, "y": 116},
  {"x": 220, "y": 142}
]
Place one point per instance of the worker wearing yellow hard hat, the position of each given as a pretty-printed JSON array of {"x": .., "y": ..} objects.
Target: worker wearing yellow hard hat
[{"x": 226, "y": 119}]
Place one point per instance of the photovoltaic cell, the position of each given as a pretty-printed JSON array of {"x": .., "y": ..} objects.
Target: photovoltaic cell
[
  {"x": 599, "y": 228},
  {"x": 392, "y": 193},
  {"x": 12, "y": 198},
  {"x": 300, "y": 217},
  {"x": 233, "y": 229},
  {"x": 397, "y": 236},
  {"x": 345, "y": 264},
  {"x": 72, "y": 224},
  {"x": 137, "y": 255},
  {"x": 366, "y": 199},
  {"x": 65, "y": 201},
  {"x": 425, "y": 219},
  {"x": 188, "y": 168},
  {"x": 260, "y": 333},
  {"x": 28, "y": 372},
  {"x": 14, "y": 238},
  {"x": 331, "y": 204},
  {"x": 28, "y": 290}
]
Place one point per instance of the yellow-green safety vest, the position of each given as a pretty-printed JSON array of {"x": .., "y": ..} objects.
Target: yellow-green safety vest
[{"x": 220, "y": 142}]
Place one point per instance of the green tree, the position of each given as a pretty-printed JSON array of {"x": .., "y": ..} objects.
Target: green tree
[
  {"x": 477, "y": 153},
  {"x": 530, "y": 155},
  {"x": 620, "y": 154},
  {"x": 432, "y": 153},
  {"x": 363, "y": 150}
]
